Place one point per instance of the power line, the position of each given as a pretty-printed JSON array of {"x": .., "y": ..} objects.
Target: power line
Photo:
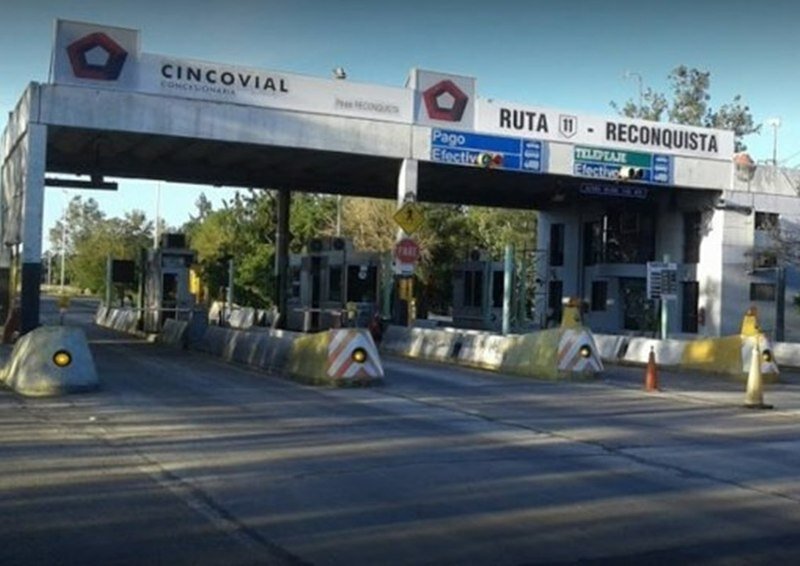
[{"x": 792, "y": 156}]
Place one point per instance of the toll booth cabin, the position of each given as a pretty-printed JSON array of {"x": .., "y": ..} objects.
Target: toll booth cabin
[
  {"x": 166, "y": 287},
  {"x": 319, "y": 276},
  {"x": 478, "y": 292}
]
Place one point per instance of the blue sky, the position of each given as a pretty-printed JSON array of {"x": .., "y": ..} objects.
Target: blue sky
[{"x": 571, "y": 55}]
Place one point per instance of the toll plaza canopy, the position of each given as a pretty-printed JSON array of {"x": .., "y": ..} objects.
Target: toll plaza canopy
[{"x": 110, "y": 109}]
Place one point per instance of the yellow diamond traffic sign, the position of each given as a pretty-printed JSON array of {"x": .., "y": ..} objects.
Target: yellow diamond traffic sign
[{"x": 409, "y": 217}]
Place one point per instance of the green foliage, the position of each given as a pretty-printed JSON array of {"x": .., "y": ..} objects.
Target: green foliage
[
  {"x": 88, "y": 238},
  {"x": 690, "y": 104},
  {"x": 311, "y": 216},
  {"x": 244, "y": 230},
  {"x": 448, "y": 234},
  {"x": 120, "y": 238}
]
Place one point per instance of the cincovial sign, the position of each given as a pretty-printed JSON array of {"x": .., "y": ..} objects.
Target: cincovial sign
[
  {"x": 88, "y": 53},
  {"x": 218, "y": 79}
]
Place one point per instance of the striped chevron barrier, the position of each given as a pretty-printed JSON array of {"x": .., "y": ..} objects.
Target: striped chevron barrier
[
  {"x": 352, "y": 355},
  {"x": 572, "y": 357},
  {"x": 338, "y": 356}
]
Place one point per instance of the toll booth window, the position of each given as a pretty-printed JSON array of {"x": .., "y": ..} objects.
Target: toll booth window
[
  {"x": 691, "y": 237},
  {"x": 169, "y": 286},
  {"x": 335, "y": 284},
  {"x": 629, "y": 237},
  {"x": 689, "y": 310},
  {"x": 599, "y": 295},
  {"x": 295, "y": 288},
  {"x": 638, "y": 312},
  {"x": 473, "y": 288},
  {"x": 498, "y": 281},
  {"x": 362, "y": 283},
  {"x": 592, "y": 243},
  {"x": 555, "y": 290},
  {"x": 767, "y": 221},
  {"x": 556, "y": 245},
  {"x": 762, "y": 292}
]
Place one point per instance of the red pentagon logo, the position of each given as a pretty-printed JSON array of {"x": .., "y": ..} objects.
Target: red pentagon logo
[
  {"x": 105, "y": 57},
  {"x": 445, "y": 101}
]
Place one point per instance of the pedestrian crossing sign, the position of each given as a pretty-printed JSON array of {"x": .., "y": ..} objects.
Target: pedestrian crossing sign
[{"x": 409, "y": 217}]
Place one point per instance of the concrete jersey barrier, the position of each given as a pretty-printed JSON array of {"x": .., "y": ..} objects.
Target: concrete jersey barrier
[
  {"x": 327, "y": 357},
  {"x": 567, "y": 351},
  {"x": 32, "y": 369},
  {"x": 120, "y": 319},
  {"x": 173, "y": 333},
  {"x": 726, "y": 355}
]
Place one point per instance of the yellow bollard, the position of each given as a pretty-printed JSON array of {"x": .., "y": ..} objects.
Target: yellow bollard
[{"x": 754, "y": 397}]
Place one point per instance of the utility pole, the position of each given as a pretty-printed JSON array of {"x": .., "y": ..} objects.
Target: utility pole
[
  {"x": 339, "y": 74},
  {"x": 157, "y": 230},
  {"x": 775, "y": 123},
  {"x": 63, "y": 248}
]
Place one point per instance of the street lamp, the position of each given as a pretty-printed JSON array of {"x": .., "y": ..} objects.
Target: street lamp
[
  {"x": 63, "y": 243},
  {"x": 339, "y": 74},
  {"x": 638, "y": 77}
]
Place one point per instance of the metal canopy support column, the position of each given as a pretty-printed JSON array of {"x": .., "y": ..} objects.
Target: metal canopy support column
[
  {"x": 282, "y": 255},
  {"x": 5, "y": 250},
  {"x": 406, "y": 192},
  {"x": 407, "y": 182},
  {"x": 32, "y": 217}
]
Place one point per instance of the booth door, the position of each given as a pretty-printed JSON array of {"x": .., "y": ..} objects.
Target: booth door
[{"x": 638, "y": 313}]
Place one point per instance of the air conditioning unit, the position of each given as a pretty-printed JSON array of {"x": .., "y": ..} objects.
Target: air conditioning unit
[{"x": 326, "y": 244}]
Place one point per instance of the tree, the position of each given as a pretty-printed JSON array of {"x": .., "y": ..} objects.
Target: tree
[
  {"x": 690, "y": 105},
  {"x": 447, "y": 235},
  {"x": 119, "y": 238},
  {"x": 369, "y": 223},
  {"x": 79, "y": 220},
  {"x": 244, "y": 231}
]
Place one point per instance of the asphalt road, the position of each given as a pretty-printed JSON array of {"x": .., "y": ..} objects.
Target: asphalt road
[{"x": 183, "y": 459}]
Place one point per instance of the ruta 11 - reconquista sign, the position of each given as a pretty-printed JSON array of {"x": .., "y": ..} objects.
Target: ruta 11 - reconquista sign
[
  {"x": 515, "y": 136},
  {"x": 624, "y": 133}
]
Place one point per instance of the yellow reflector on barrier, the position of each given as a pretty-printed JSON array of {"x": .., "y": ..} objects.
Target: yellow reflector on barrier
[
  {"x": 62, "y": 358},
  {"x": 359, "y": 355}
]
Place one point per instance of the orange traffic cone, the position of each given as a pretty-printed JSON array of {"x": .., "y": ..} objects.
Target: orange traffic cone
[
  {"x": 651, "y": 374},
  {"x": 754, "y": 397}
]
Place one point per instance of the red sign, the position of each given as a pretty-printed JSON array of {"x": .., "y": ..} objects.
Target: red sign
[{"x": 406, "y": 251}]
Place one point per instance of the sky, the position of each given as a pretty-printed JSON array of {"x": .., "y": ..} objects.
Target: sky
[{"x": 571, "y": 55}]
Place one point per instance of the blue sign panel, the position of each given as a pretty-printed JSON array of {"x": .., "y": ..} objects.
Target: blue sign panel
[
  {"x": 662, "y": 169},
  {"x": 480, "y": 150},
  {"x": 614, "y": 191},
  {"x": 603, "y": 163}
]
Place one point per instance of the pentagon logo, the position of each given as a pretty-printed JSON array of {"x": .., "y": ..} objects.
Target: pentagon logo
[
  {"x": 445, "y": 101},
  {"x": 96, "y": 56}
]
